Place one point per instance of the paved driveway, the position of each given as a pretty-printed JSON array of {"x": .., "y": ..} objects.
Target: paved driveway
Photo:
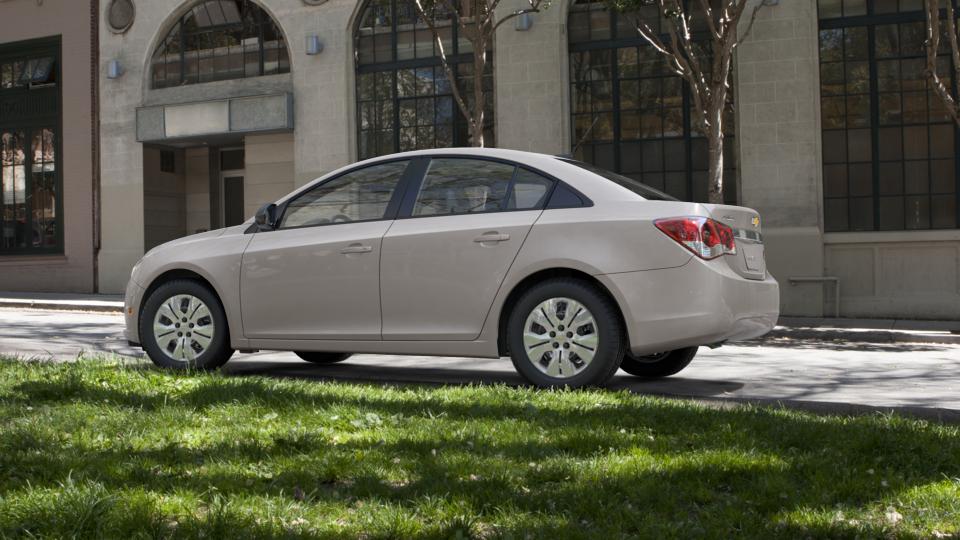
[{"x": 815, "y": 374}]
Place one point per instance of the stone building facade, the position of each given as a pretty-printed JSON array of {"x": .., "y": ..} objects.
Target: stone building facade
[
  {"x": 48, "y": 151},
  {"x": 856, "y": 184}
]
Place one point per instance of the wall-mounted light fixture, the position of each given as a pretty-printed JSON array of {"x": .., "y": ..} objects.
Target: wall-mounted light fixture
[
  {"x": 524, "y": 22},
  {"x": 114, "y": 69},
  {"x": 314, "y": 46}
]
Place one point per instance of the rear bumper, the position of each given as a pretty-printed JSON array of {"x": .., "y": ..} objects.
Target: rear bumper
[
  {"x": 699, "y": 303},
  {"x": 131, "y": 312}
]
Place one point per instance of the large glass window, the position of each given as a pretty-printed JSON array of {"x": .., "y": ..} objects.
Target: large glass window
[
  {"x": 218, "y": 40},
  {"x": 630, "y": 113},
  {"x": 404, "y": 99},
  {"x": 30, "y": 187},
  {"x": 889, "y": 145},
  {"x": 360, "y": 195}
]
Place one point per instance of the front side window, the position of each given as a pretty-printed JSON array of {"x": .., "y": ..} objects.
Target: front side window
[
  {"x": 889, "y": 145},
  {"x": 218, "y": 40},
  {"x": 360, "y": 195},
  {"x": 30, "y": 186},
  {"x": 404, "y": 98},
  {"x": 467, "y": 186}
]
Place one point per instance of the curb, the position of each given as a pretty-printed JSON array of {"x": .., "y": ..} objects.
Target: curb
[
  {"x": 862, "y": 336},
  {"x": 934, "y": 414}
]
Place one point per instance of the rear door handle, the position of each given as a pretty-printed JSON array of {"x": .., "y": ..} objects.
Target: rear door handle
[
  {"x": 356, "y": 248},
  {"x": 491, "y": 237}
]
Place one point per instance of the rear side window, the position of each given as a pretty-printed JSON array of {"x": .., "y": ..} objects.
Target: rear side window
[
  {"x": 530, "y": 190},
  {"x": 635, "y": 186},
  {"x": 359, "y": 195},
  {"x": 465, "y": 186}
]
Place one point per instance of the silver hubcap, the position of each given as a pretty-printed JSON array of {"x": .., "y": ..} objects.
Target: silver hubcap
[
  {"x": 561, "y": 337},
  {"x": 183, "y": 327}
]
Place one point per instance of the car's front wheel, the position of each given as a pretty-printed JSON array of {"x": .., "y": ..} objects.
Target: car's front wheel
[
  {"x": 323, "y": 357},
  {"x": 658, "y": 365},
  {"x": 183, "y": 326},
  {"x": 565, "y": 333}
]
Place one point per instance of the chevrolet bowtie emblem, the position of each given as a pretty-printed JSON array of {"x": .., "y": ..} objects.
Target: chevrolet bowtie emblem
[{"x": 755, "y": 221}]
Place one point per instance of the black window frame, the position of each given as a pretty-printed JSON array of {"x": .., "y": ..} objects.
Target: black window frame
[
  {"x": 405, "y": 195},
  {"x": 262, "y": 19},
  {"x": 25, "y": 50},
  {"x": 871, "y": 20},
  {"x": 455, "y": 59},
  {"x": 689, "y": 134}
]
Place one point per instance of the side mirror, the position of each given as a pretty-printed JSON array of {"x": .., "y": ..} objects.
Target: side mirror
[{"x": 266, "y": 218}]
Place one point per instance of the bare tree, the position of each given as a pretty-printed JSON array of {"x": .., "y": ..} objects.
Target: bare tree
[
  {"x": 932, "y": 44},
  {"x": 477, "y": 22},
  {"x": 704, "y": 64}
]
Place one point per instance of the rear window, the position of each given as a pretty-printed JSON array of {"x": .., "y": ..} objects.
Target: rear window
[{"x": 635, "y": 186}]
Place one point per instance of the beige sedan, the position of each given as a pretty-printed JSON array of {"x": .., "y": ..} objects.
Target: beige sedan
[{"x": 571, "y": 271}]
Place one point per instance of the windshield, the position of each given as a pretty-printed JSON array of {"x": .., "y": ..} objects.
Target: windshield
[{"x": 635, "y": 186}]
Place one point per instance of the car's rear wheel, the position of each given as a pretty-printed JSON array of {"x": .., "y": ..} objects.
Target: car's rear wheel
[
  {"x": 183, "y": 326},
  {"x": 565, "y": 333},
  {"x": 322, "y": 357},
  {"x": 658, "y": 365}
]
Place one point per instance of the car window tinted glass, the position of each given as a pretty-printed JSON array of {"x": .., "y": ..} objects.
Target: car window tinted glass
[
  {"x": 463, "y": 186},
  {"x": 530, "y": 190},
  {"x": 359, "y": 195},
  {"x": 635, "y": 186}
]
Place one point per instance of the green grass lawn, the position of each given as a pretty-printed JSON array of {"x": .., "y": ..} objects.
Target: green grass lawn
[{"x": 107, "y": 449}]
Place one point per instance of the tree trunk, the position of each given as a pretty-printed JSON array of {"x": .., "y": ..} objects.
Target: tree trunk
[
  {"x": 715, "y": 152},
  {"x": 476, "y": 122}
]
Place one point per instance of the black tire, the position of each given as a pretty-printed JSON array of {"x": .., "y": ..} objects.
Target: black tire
[
  {"x": 658, "y": 365},
  {"x": 322, "y": 357},
  {"x": 611, "y": 346},
  {"x": 217, "y": 352}
]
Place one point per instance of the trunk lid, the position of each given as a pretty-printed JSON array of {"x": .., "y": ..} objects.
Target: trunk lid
[{"x": 749, "y": 261}]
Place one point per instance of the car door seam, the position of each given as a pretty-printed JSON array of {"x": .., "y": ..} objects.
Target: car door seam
[
  {"x": 243, "y": 255},
  {"x": 380, "y": 274},
  {"x": 507, "y": 273}
]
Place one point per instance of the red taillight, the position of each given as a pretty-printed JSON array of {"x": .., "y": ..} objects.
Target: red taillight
[{"x": 706, "y": 238}]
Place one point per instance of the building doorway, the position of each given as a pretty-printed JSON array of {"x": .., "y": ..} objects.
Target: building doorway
[{"x": 232, "y": 186}]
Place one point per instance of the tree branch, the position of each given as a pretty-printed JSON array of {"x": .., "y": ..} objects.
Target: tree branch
[
  {"x": 933, "y": 47},
  {"x": 451, "y": 77},
  {"x": 708, "y": 13},
  {"x": 514, "y": 15},
  {"x": 753, "y": 19}
]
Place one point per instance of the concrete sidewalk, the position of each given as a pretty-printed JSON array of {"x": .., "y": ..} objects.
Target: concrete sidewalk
[
  {"x": 920, "y": 379},
  {"x": 109, "y": 303},
  {"x": 789, "y": 328}
]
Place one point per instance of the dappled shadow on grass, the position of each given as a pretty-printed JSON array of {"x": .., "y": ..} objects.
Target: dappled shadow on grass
[{"x": 568, "y": 463}]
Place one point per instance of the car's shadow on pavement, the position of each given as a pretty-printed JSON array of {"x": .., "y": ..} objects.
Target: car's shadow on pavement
[{"x": 357, "y": 371}]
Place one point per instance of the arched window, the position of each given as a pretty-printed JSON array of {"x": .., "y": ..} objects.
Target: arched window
[
  {"x": 630, "y": 114},
  {"x": 218, "y": 40},
  {"x": 404, "y": 100}
]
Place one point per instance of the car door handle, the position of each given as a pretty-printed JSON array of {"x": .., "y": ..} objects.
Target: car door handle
[
  {"x": 356, "y": 248},
  {"x": 491, "y": 237}
]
